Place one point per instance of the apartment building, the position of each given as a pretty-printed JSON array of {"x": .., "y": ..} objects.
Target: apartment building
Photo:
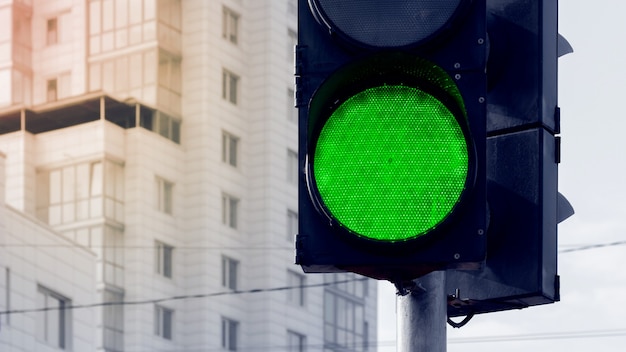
[{"x": 160, "y": 136}]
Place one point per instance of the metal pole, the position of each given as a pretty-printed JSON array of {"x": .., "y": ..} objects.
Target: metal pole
[{"x": 422, "y": 314}]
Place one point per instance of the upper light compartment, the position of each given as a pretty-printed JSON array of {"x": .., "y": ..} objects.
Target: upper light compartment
[{"x": 389, "y": 23}]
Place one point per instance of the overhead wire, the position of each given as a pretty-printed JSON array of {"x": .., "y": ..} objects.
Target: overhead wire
[
  {"x": 478, "y": 339},
  {"x": 557, "y": 335},
  {"x": 230, "y": 292},
  {"x": 592, "y": 246},
  {"x": 181, "y": 297}
]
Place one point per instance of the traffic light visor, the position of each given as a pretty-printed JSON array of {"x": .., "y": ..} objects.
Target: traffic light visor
[
  {"x": 389, "y": 23},
  {"x": 392, "y": 161}
]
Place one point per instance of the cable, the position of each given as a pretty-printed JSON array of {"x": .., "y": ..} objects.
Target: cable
[
  {"x": 543, "y": 336},
  {"x": 592, "y": 246},
  {"x": 462, "y": 323},
  {"x": 479, "y": 339},
  {"x": 176, "y": 298}
]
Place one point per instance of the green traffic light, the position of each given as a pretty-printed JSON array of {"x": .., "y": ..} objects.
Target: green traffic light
[{"x": 391, "y": 163}]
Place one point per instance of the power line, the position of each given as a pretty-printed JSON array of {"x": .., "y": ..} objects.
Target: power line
[
  {"x": 479, "y": 339},
  {"x": 542, "y": 336},
  {"x": 177, "y": 298},
  {"x": 592, "y": 246}
]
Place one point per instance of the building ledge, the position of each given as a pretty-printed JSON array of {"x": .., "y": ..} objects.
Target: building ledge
[{"x": 68, "y": 112}]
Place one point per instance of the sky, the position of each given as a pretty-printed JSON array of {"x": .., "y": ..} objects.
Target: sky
[{"x": 591, "y": 315}]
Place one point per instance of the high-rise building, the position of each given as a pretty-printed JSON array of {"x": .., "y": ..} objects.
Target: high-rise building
[{"x": 161, "y": 135}]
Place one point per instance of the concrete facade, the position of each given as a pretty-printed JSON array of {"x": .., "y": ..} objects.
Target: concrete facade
[{"x": 159, "y": 135}]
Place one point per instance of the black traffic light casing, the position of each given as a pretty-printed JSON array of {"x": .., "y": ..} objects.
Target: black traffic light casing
[
  {"x": 523, "y": 152},
  {"x": 322, "y": 54}
]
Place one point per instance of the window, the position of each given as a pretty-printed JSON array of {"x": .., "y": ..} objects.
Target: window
[
  {"x": 51, "y": 90},
  {"x": 7, "y": 295},
  {"x": 165, "y": 190},
  {"x": 230, "y": 24},
  {"x": 292, "y": 167},
  {"x": 169, "y": 12},
  {"x": 81, "y": 191},
  {"x": 295, "y": 295},
  {"x": 292, "y": 112},
  {"x": 292, "y": 225},
  {"x": 174, "y": 134},
  {"x": 113, "y": 256},
  {"x": 161, "y": 123},
  {"x": 163, "y": 259},
  {"x": 229, "y": 273},
  {"x": 229, "y": 334},
  {"x": 114, "y": 191},
  {"x": 59, "y": 87},
  {"x": 53, "y": 325},
  {"x": 229, "y": 148},
  {"x": 366, "y": 343},
  {"x": 123, "y": 23},
  {"x": 127, "y": 75},
  {"x": 113, "y": 321},
  {"x": 349, "y": 283},
  {"x": 229, "y": 86},
  {"x": 229, "y": 211},
  {"x": 169, "y": 24},
  {"x": 170, "y": 82},
  {"x": 295, "y": 342},
  {"x": 163, "y": 321},
  {"x": 344, "y": 323},
  {"x": 344, "y": 309},
  {"x": 52, "y": 31}
]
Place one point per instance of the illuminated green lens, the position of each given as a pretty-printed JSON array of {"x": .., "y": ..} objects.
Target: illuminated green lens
[{"x": 391, "y": 163}]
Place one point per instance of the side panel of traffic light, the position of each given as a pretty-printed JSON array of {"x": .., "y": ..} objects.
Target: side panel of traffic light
[{"x": 523, "y": 152}]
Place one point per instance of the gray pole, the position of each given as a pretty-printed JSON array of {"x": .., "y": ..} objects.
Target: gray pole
[{"x": 422, "y": 315}]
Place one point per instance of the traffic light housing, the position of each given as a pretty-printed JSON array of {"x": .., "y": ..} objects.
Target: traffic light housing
[
  {"x": 392, "y": 136},
  {"x": 430, "y": 148},
  {"x": 523, "y": 152}
]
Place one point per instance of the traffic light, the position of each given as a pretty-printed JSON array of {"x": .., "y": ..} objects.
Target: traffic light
[
  {"x": 523, "y": 152},
  {"x": 392, "y": 136}
]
